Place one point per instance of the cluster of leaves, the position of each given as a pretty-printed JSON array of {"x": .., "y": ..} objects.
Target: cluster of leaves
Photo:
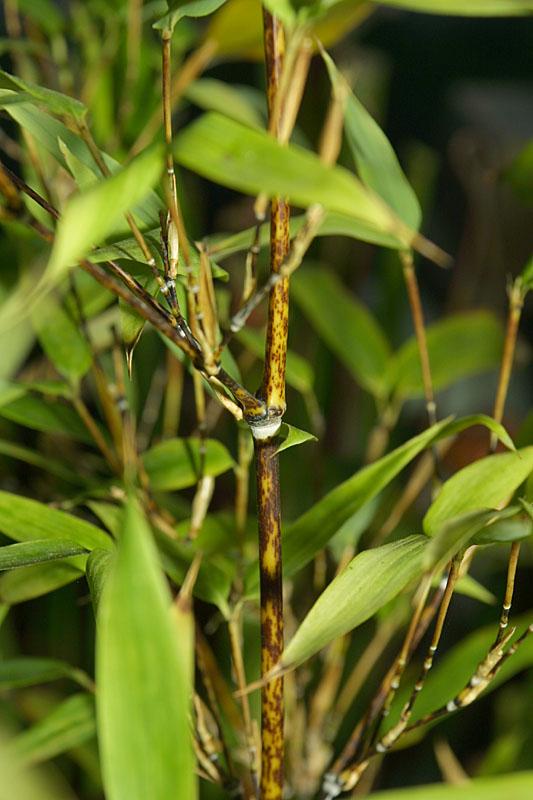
[{"x": 83, "y": 507}]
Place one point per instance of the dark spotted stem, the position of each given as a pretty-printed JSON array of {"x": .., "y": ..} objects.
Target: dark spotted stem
[{"x": 267, "y": 469}]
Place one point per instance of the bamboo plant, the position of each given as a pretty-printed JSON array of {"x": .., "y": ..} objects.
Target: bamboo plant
[{"x": 240, "y": 650}]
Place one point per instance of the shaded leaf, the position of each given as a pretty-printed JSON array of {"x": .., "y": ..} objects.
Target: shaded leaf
[
  {"x": 143, "y": 677},
  {"x": 49, "y": 417},
  {"x": 97, "y": 572},
  {"x": 299, "y": 372},
  {"x": 27, "y": 520},
  {"x": 459, "y": 346},
  {"x": 369, "y": 581},
  {"x": 175, "y": 463},
  {"x": 63, "y": 342},
  {"x": 36, "y": 459},
  {"x": 23, "y": 554},
  {"x": 19, "y": 672},
  {"x": 486, "y": 483},
  {"x": 68, "y": 725},
  {"x": 214, "y": 95},
  {"x": 27, "y": 583},
  {"x": 344, "y": 324}
]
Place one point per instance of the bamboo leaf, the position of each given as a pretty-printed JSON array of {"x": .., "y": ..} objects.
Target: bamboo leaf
[
  {"x": 63, "y": 342},
  {"x": 455, "y": 534},
  {"x": 186, "y": 8},
  {"x": 26, "y": 583},
  {"x": 68, "y": 725},
  {"x": 466, "y": 8},
  {"x": 369, "y": 581},
  {"x": 90, "y": 216},
  {"x": 42, "y": 415},
  {"x": 28, "y": 520},
  {"x": 291, "y": 436},
  {"x": 299, "y": 372},
  {"x": 374, "y": 157},
  {"x": 54, "y": 101},
  {"x": 527, "y": 275},
  {"x": 459, "y": 346},
  {"x": 175, "y": 463},
  {"x": 487, "y": 483},
  {"x": 210, "y": 94},
  {"x": 143, "y": 678},
  {"x": 23, "y": 554},
  {"x": 306, "y": 536},
  {"x": 518, "y": 785},
  {"x": 36, "y": 459},
  {"x": 251, "y": 161},
  {"x": 16, "y": 673},
  {"x": 345, "y": 325},
  {"x": 97, "y": 572}
]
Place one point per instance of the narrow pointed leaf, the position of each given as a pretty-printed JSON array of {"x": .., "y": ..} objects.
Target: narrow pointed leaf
[
  {"x": 54, "y": 101},
  {"x": 177, "y": 9},
  {"x": 68, "y": 725},
  {"x": 24, "y": 554},
  {"x": 466, "y": 8},
  {"x": 289, "y": 436},
  {"x": 63, "y": 342},
  {"x": 345, "y": 325},
  {"x": 26, "y": 583},
  {"x": 253, "y": 162},
  {"x": 487, "y": 483},
  {"x": 518, "y": 785},
  {"x": 143, "y": 678},
  {"x": 19, "y": 672},
  {"x": 305, "y": 537},
  {"x": 27, "y": 520},
  {"x": 376, "y": 161},
  {"x": 459, "y": 346},
  {"x": 369, "y": 581}
]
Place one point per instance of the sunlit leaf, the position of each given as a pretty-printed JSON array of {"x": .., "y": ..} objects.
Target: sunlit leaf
[
  {"x": 369, "y": 581},
  {"x": 305, "y": 537},
  {"x": 518, "y": 785},
  {"x": 251, "y": 161},
  {"x": 54, "y": 101},
  {"x": 487, "y": 483},
  {"x": 28, "y": 520},
  {"x": 143, "y": 678},
  {"x": 466, "y": 8},
  {"x": 186, "y": 8},
  {"x": 214, "y": 95},
  {"x": 23, "y": 554}
]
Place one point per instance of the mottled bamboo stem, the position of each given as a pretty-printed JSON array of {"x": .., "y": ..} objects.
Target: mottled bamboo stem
[{"x": 267, "y": 468}]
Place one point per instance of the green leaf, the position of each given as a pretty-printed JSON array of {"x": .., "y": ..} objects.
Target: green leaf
[
  {"x": 305, "y": 537},
  {"x": 63, "y": 342},
  {"x": 459, "y": 346},
  {"x": 143, "y": 677},
  {"x": 68, "y": 725},
  {"x": 97, "y": 572},
  {"x": 345, "y": 325},
  {"x": 49, "y": 417},
  {"x": 469, "y": 587},
  {"x": 36, "y": 459},
  {"x": 186, "y": 8},
  {"x": 27, "y": 583},
  {"x": 526, "y": 275},
  {"x": 520, "y": 174},
  {"x": 466, "y": 8},
  {"x": 28, "y": 520},
  {"x": 55, "y": 102},
  {"x": 214, "y": 95},
  {"x": 90, "y": 216},
  {"x": 16, "y": 673},
  {"x": 175, "y": 463},
  {"x": 369, "y": 582},
  {"x": 518, "y": 785},
  {"x": 251, "y": 161},
  {"x": 374, "y": 157},
  {"x": 291, "y": 436},
  {"x": 487, "y": 483},
  {"x": 454, "y": 535},
  {"x": 36, "y": 552}
]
